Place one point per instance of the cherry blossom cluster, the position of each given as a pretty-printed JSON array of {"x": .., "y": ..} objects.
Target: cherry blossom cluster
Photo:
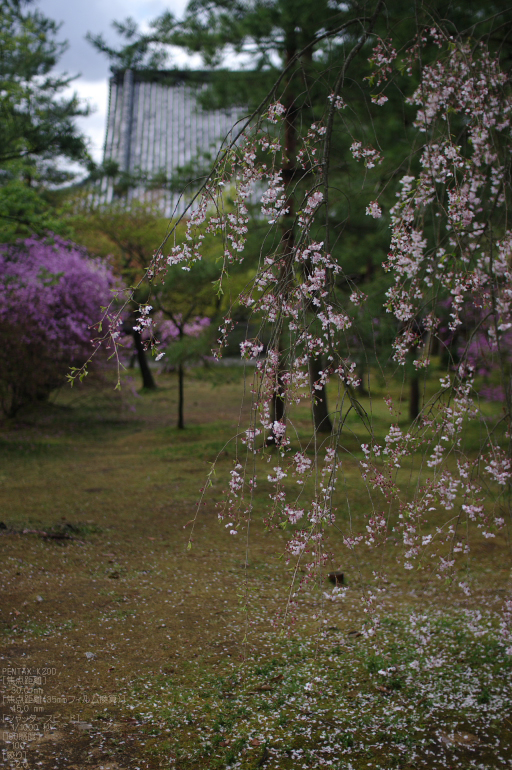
[
  {"x": 273, "y": 200},
  {"x": 383, "y": 56},
  {"x": 369, "y": 155},
  {"x": 307, "y": 156},
  {"x": 455, "y": 185}
]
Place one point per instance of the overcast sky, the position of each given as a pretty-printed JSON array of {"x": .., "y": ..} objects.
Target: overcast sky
[{"x": 81, "y": 16}]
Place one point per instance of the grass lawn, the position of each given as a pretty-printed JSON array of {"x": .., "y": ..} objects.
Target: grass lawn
[{"x": 123, "y": 649}]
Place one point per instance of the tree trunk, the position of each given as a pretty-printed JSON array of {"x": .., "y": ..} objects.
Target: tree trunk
[
  {"x": 321, "y": 419},
  {"x": 278, "y": 404},
  {"x": 414, "y": 397},
  {"x": 361, "y": 374},
  {"x": 147, "y": 378},
  {"x": 287, "y": 238},
  {"x": 277, "y": 412},
  {"x": 181, "y": 377}
]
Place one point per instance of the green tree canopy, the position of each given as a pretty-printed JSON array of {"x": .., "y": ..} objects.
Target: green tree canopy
[
  {"x": 37, "y": 123},
  {"x": 300, "y": 50}
]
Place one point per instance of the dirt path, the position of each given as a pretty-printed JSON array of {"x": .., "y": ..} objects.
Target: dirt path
[
  {"x": 111, "y": 594},
  {"x": 87, "y": 617},
  {"x": 89, "y": 614}
]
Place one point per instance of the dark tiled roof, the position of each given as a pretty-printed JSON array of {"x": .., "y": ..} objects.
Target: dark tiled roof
[{"x": 156, "y": 125}]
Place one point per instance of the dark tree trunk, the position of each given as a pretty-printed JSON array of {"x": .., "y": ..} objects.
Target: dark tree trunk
[
  {"x": 414, "y": 397},
  {"x": 321, "y": 418},
  {"x": 278, "y": 413},
  {"x": 181, "y": 377},
  {"x": 287, "y": 240},
  {"x": 147, "y": 378},
  {"x": 278, "y": 410},
  {"x": 361, "y": 389}
]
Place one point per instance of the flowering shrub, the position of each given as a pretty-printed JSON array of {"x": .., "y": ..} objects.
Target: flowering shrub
[
  {"x": 487, "y": 350},
  {"x": 168, "y": 331},
  {"x": 50, "y": 296}
]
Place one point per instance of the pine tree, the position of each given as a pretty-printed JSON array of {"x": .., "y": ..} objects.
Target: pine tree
[{"x": 36, "y": 122}]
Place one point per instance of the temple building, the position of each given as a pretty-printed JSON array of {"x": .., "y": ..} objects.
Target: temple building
[{"x": 158, "y": 132}]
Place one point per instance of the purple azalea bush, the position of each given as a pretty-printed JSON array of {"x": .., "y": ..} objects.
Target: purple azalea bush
[
  {"x": 51, "y": 293},
  {"x": 489, "y": 360},
  {"x": 483, "y": 342},
  {"x": 168, "y": 331}
]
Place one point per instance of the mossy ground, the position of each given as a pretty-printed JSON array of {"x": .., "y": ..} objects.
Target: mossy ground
[{"x": 163, "y": 657}]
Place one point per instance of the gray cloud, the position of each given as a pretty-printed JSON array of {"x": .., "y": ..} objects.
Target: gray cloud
[{"x": 81, "y": 16}]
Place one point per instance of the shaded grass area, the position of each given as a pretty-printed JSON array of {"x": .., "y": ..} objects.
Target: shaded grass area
[{"x": 177, "y": 658}]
